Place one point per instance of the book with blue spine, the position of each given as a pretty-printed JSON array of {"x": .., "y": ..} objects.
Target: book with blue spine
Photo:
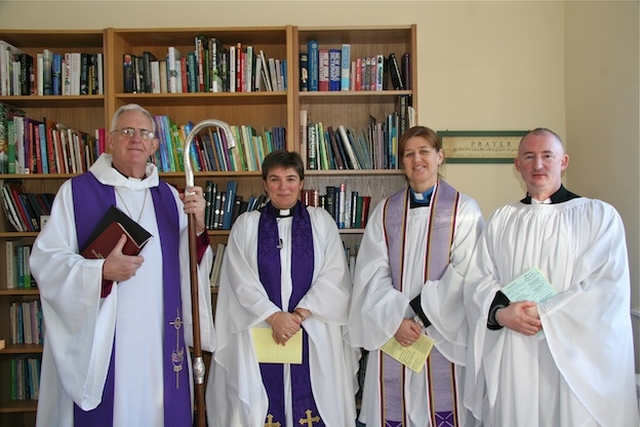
[
  {"x": 335, "y": 72},
  {"x": 345, "y": 68},
  {"x": 56, "y": 74},
  {"x": 232, "y": 189},
  {"x": 312, "y": 52}
]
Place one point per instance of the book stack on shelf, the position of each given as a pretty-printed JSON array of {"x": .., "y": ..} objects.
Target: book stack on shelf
[
  {"x": 25, "y": 319},
  {"x": 25, "y": 377},
  {"x": 29, "y": 145},
  {"x": 349, "y": 210},
  {"x": 18, "y": 272},
  {"x": 208, "y": 67},
  {"x": 49, "y": 73},
  {"x": 374, "y": 147},
  {"x": 210, "y": 151},
  {"x": 214, "y": 277},
  {"x": 7, "y": 114},
  {"x": 25, "y": 211},
  {"x": 329, "y": 69},
  {"x": 224, "y": 206}
]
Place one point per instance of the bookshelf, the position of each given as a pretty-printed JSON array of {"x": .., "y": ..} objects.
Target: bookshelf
[
  {"x": 352, "y": 109},
  {"x": 259, "y": 109}
]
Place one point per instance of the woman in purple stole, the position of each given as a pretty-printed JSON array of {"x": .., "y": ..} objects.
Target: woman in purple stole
[
  {"x": 408, "y": 283},
  {"x": 284, "y": 273}
]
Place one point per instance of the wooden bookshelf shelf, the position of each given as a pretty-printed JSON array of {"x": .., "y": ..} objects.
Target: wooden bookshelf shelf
[{"x": 259, "y": 109}]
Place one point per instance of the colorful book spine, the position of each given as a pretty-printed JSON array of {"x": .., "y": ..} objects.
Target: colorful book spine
[
  {"x": 334, "y": 70},
  {"x": 345, "y": 61},
  {"x": 304, "y": 72},
  {"x": 312, "y": 51},
  {"x": 323, "y": 70}
]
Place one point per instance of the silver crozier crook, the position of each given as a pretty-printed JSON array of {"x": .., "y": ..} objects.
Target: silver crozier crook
[{"x": 198, "y": 363}]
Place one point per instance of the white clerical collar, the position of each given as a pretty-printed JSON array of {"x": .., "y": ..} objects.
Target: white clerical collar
[{"x": 546, "y": 201}]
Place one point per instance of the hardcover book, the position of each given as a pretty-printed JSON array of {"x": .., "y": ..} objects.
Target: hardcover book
[
  {"x": 304, "y": 72},
  {"x": 334, "y": 69},
  {"x": 313, "y": 61},
  {"x": 106, "y": 235},
  {"x": 345, "y": 79},
  {"x": 394, "y": 71},
  {"x": 127, "y": 72},
  {"x": 323, "y": 70},
  {"x": 7, "y": 54}
]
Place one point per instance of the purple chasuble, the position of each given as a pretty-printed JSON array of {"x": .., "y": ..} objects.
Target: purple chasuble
[
  {"x": 440, "y": 373},
  {"x": 269, "y": 270},
  {"x": 95, "y": 198}
]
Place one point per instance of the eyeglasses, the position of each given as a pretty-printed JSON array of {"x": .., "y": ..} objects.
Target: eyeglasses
[{"x": 129, "y": 132}]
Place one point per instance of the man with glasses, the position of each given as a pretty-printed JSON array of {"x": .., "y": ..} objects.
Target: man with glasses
[{"x": 118, "y": 329}]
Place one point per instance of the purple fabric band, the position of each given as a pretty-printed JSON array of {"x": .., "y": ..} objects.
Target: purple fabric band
[
  {"x": 269, "y": 270},
  {"x": 96, "y": 198},
  {"x": 438, "y": 240}
]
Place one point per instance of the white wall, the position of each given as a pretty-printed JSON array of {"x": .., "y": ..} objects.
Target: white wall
[{"x": 603, "y": 131}]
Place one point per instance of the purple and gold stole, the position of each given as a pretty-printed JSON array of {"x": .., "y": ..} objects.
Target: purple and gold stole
[
  {"x": 269, "y": 270},
  {"x": 95, "y": 198},
  {"x": 439, "y": 372}
]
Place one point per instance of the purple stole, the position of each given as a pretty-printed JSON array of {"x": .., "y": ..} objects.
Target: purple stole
[
  {"x": 304, "y": 406},
  {"x": 95, "y": 198},
  {"x": 439, "y": 372}
]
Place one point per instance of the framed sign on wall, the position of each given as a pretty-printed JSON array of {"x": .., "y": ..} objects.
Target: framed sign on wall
[{"x": 480, "y": 146}]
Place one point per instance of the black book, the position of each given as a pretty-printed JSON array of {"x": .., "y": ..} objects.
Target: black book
[
  {"x": 394, "y": 71},
  {"x": 127, "y": 71},
  {"x": 106, "y": 235},
  {"x": 84, "y": 74},
  {"x": 147, "y": 59},
  {"x": 406, "y": 70}
]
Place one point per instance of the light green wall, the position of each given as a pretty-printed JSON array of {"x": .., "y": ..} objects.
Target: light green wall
[{"x": 504, "y": 65}]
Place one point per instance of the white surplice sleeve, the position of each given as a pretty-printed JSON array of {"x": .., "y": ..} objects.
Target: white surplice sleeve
[
  {"x": 80, "y": 325},
  {"x": 376, "y": 308},
  {"x": 442, "y": 300}
]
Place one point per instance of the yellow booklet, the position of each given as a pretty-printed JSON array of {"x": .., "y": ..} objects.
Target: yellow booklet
[
  {"x": 268, "y": 351},
  {"x": 413, "y": 356}
]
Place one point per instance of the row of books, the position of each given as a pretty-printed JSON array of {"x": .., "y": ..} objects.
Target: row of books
[
  {"x": 224, "y": 206},
  {"x": 25, "y": 211},
  {"x": 334, "y": 69},
  {"x": 349, "y": 210},
  {"x": 210, "y": 67},
  {"x": 49, "y": 72},
  {"x": 218, "y": 256},
  {"x": 375, "y": 147},
  {"x": 26, "y": 322},
  {"x": 25, "y": 377},
  {"x": 17, "y": 255},
  {"x": 29, "y": 145},
  {"x": 211, "y": 151}
]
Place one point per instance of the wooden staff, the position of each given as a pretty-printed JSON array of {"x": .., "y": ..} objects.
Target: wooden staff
[{"x": 198, "y": 363}]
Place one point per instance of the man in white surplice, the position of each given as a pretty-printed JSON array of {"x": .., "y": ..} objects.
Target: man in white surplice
[
  {"x": 284, "y": 268},
  {"x": 567, "y": 361},
  {"x": 98, "y": 308}
]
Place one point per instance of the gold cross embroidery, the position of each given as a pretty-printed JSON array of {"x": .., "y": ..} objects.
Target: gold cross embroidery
[
  {"x": 270, "y": 422},
  {"x": 309, "y": 421}
]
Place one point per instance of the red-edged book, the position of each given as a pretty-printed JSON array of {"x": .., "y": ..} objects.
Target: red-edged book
[{"x": 107, "y": 233}]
